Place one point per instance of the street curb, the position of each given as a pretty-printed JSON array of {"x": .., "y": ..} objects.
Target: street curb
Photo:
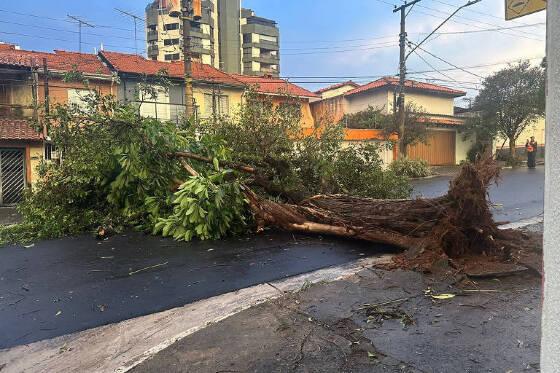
[
  {"x": 523, "y": 223},
  {"x": 122, "y": 346}
]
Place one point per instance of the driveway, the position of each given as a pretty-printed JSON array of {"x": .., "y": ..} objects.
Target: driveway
[
  {"x": 518, "y": 195},
  {"x": 68, "y": 285}
]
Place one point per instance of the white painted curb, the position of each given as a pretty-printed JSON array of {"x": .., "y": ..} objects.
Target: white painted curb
[
  {"x": 122, "y": 346},
  {"x": 523, "y": 223}
]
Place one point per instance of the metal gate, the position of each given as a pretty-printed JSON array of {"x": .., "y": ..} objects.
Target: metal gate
[{"x": 12, "y": 176}]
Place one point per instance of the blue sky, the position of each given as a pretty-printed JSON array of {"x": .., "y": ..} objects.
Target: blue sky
[{"x": 318, "y": 37}]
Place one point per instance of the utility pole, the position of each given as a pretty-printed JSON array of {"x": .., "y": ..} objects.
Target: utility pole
[
  {"x": 187, "y": 57},
  {"x": 135, "y": 18},
  {"x": 191, "y": 11},
  {"x": 46, "y": 86},
  {"x": 80, "y": 24},
  {"x": 402, "y": 75},
  {"x": 402, "y": 63}
]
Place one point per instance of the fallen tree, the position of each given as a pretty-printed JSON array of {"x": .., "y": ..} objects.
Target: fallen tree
[{"x": 457, "y": 224}]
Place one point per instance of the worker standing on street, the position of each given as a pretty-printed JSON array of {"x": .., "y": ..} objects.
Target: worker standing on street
[{"x": 531, "y": 147}]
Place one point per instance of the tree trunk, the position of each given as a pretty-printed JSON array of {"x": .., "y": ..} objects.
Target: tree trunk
[
  {"x": 512, "y": 149},
  {"x": 456, "y": 224}
]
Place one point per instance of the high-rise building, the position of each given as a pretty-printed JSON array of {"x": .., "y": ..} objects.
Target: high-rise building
[
  {"x": 261, "y": 45},
  {"x": 227, "y": 37}
]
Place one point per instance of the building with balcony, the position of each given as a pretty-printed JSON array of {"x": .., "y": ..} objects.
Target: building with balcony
[
  {"x": 227, "y": 37},
  {"x": 261, "y": 45},
  {"x": 164, "y": 32}
]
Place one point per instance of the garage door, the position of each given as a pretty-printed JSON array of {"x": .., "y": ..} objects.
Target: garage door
[
  {"x": 439, "y": 151},
  {"x": 12, "y": 176}
]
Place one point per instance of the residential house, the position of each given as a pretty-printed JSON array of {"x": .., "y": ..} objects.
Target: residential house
[
  {"x": 215, "y": 92},
  {"x": 445, "y": 146},
  {"x": 22, "y": 87},
  {"x": 279, "y": 89}
]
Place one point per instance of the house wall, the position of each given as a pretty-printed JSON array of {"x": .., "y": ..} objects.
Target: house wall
[
  {"x": 34, "y": 153},
  {"x": 336, "y": 92},
  {"x": 234, "y": 95},
  {"x": 462, "y": 146},
  {"x": 58, "y": 89},
  {"x": 330, "y": 110},
  {"x": 378, "y": 99},
  {"x": 432, "y": 104},
  {"x": 537, "y": 129}
]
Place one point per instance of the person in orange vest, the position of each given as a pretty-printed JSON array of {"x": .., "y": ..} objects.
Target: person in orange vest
[{"x": 531, "y": 147}]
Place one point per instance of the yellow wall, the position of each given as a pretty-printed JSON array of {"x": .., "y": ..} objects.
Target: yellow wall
[
  {"x": 235, "y": 97},
  {"x": 379, "y": 99},
  {"x": 537, "y": 129},
  {"x": 432, "y": 104},
  {"x": 336, "y": 92},
  {"x": 36, "y": 154}
]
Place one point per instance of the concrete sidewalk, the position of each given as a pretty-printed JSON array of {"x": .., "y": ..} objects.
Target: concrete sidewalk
[{"x": 490, "y": 326}]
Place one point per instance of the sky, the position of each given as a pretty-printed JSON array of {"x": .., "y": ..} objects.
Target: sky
[{"x": 322, "y": 41}]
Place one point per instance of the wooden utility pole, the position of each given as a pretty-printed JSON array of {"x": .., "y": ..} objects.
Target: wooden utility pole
[
  {"x": 402, "y": 63},
  {"x": 35, "y": 89},
  {"x": 46, "y": 86},
  {"x": 187, "y": 57},
  {"x": 402, "y": 75},
  {"x": 46, "y": 94}
]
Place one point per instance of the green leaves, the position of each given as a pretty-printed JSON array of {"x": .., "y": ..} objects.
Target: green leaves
[{"x": 205, "y": 209}]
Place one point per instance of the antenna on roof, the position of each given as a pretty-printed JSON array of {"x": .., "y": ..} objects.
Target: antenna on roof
[
  {"x": 135, "y": 18},
  {"x": 80, "y": 24}
]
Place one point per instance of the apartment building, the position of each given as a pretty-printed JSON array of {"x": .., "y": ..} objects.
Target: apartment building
[
  {"x": 261, "y": 46},
  {"x": 164, "y": 32},
  {"x": 227, "y": 37}
]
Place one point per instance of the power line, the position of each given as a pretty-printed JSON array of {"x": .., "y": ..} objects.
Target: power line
[
  {"x": 58, "y": 19},
  {"x": 58, "y": 39},
  {"x": 81, "y": 23},
  {"x": 135, "y": 18},
  {"x": 430, "y": 65},
  {"x": 443, "y": 60}
]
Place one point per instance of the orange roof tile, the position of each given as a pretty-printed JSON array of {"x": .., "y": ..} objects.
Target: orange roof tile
[
  {"x": 15, "y": 129},
  {"x": 393, "y": 82},
  {"x": 135, "y": 64},
  {"x": 271, "y": 85},
  {"x": 62, "y": 61}
]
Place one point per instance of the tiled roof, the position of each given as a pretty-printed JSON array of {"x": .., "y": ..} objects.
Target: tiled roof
[
  {"x": 62, "y": 61},
  {"x": 15, "y": 129},
  {"x": 270, "y": 85},
  {"x": 336, "y": 86},
  {"x": 134, "y": 64},
  {"x": 393, "y": 82}
]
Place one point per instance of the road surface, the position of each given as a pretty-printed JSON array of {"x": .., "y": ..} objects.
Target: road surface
[
  {"x": 68, "y": 285},
  {"x": 518, "y": 195}
]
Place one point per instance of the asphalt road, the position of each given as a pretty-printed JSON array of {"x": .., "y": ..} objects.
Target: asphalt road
[
  {"x": 64, "y": 286},
  {"x": 518, "y": 195}
]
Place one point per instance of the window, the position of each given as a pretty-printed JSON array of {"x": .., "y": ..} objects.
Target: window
[
  {"x": 50, "y": 151},
  {"x": 247, "y": 39},
  {"x": 215, "y": 104},
  {"x": 79, "y": 97},
  {"x": 171, "y": 26},
  {"x": 172, "y": 57},
  {"x": 155, "y": 107},
  {"x": 168, "y": 42}
]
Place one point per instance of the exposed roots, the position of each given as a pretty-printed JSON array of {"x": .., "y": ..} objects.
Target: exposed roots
[{"x": 456, "y": 225}]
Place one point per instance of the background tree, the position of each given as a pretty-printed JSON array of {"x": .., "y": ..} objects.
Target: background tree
[{"x": 511, "y": 100}]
